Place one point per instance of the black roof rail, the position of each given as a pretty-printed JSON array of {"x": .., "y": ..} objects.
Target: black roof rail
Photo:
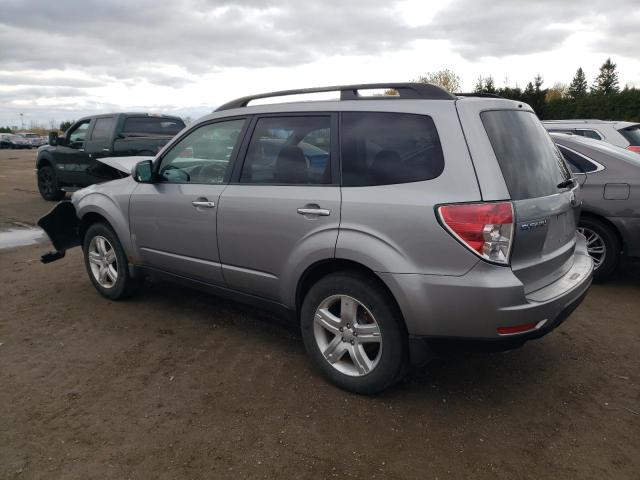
[
  {"x": 413, "y": 91},
  {"x": 483, "y": 95}
]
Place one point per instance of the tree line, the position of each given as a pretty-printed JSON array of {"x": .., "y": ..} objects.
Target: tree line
[{"x": 603, "y": 100}]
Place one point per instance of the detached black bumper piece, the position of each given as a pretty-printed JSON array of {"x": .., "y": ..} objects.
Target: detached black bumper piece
[{"x": 62, "y": 226}]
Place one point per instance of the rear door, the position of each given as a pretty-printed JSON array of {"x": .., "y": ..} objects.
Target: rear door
[
  {"x": 283, "y": 209},
  {"x": 98, "y": 146},
  {"x": 546, "y": 203}
]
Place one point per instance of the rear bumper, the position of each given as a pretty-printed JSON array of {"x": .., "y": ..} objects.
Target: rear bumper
[{"x": 475, "y": 305}]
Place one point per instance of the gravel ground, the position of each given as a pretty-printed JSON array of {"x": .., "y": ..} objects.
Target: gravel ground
[{"x": 177, "y": 384}]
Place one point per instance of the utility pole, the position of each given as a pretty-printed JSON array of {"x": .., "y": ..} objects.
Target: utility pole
[{"x": 22, "y": 121}]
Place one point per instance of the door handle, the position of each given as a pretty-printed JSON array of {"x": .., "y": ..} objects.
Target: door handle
[
  {"x": 321, "y": 212},
  {"x": 81, "y": 149},
  {"x": 106, "y": 150},
  {"x": 203, "y": 204}
]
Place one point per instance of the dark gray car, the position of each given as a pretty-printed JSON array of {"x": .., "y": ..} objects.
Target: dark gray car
[
  {"x": 384, "y": 225},
  {"x": 610, "y": 180}
]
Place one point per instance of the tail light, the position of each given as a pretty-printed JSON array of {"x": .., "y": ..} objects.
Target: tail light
[
  {"x": 485, "y": 228},
  {"x": 634, "y": 148}
]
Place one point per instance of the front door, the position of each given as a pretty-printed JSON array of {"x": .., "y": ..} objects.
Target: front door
[
  {"x": 283, "y": 209},
  {"x": 173, "y": 221},
  {"x": 72, "y": 159}
]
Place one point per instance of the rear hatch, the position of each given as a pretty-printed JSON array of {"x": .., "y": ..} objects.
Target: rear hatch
[
  {"x": 632, "y": 135},
  {"x": 538, "y": 182}
]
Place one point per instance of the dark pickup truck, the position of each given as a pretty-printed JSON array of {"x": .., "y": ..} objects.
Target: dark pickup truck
[{"x": 70, "y": 162}]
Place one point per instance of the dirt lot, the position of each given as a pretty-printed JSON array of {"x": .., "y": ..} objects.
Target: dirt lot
[{"x": 176, "y": 384}]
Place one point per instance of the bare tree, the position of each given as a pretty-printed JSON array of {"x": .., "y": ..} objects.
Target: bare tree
[{"x": 446, "y": 79}]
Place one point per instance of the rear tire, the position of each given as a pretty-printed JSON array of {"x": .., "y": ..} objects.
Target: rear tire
[
  {"x": 106, "y": 263},
  {"x": 48, "y": 184},
  {"x": 354, "y": 333},
  {"x": 603, "y": 245}
]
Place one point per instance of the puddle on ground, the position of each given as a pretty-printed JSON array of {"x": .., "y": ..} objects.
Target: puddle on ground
[{"x": 18, "y": 237}]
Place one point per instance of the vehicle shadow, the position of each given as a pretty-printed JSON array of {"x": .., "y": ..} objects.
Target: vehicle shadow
[{"x": 459, "y": 375}]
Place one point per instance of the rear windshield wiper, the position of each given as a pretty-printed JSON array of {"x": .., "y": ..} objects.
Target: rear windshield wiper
[{"x": 566, "y": 183}]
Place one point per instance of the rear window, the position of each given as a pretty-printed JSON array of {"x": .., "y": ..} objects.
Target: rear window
[
  {"x": 577, "y": 162},
  {"x": 388, "y": 148},
  {"x": 530, "y": 162},
  {"x": 632, "y": 134},
  {"x": 102, "y": 128},
  {"x": 589, "y": 134},
  {"x": 152, "y": 126}
]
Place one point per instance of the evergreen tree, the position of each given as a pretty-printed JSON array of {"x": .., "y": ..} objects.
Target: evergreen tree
[
  {"x": 489, "y": 85},
  {"x": 529, "y": 92},
  {"x": 479, "y": 88},
  {"x": 606, "y": 82},
  {"x": 65, "y": 125},
  {"x": 578, "y": 86},
  {"x": 537, "y": 81}
]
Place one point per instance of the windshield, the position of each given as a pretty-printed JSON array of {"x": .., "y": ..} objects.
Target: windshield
[
  {"x": 530, "y": 162},
  {"x": 152, "y": 126},
  {"x": 632, "y": 134}
]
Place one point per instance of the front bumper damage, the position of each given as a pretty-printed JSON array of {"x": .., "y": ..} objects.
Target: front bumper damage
[{"x": 62, "y": 226}]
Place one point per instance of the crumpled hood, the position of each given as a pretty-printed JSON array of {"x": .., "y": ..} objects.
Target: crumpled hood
[{"x": 124, "y": 164}]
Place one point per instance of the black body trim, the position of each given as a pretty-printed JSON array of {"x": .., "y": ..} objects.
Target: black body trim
[{"x": 222, "y": 291}]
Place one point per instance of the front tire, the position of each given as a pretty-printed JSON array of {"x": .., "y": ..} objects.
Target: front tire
[
  {"x": 106, "y": 263},
  {"x": 48, "y": 184},
  {"x": 354, "y": 333},
  {"x": 602, "y": 244}
]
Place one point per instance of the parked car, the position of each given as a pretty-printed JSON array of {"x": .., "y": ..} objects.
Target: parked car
[
  {"x": 421, "y": 220},
  {"x": 621, "y": 134},
  {"x": 5, "y": 141},
  {"x": 10, "y": 140},
  {"x": 610, "y": 181},
  {"x": 35, "y": 139},
  {"x": 70, "y": 162}
]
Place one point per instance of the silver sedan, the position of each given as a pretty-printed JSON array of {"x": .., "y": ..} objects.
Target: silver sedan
[{"x": 610, "y": 181}]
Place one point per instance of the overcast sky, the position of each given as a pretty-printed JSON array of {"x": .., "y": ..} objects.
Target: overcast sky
[{"x": 62, "y": 60}]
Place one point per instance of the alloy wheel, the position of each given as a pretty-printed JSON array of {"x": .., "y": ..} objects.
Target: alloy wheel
[
  {"x": 46, "y": 181},
  {"x": 595, "y": 246},
  {"x": 347, "y": 335},
  {"x": 103, "y": 261}
]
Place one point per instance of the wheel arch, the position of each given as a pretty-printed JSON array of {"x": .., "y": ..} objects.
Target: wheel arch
[
  {"x": 89, "y": 219},
  {"x": 100, "y": 207},
  {"x": 44, "y": 160},
  {"x": 322, "y": 268}
]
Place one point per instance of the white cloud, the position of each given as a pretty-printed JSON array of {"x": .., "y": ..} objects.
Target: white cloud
[{"x": 192, "y": 55}]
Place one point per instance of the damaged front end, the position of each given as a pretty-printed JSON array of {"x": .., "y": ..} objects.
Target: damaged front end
[{"x": 62, "y": 225}]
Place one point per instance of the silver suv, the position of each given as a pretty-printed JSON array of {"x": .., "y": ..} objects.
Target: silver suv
[
  {"x": 387, "y": 226},
  {"x": 621, "y": 134}
]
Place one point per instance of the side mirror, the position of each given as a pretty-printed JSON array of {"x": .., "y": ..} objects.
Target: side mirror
[
  {"x": 143, "y": 172},
  {"x": 53, "y": 138}
]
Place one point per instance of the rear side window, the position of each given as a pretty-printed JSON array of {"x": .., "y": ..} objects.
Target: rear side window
[
  {"x": 389, "y": 148},
  {"x": 152, "y": 126},
  {"x": 577, "y": 162},
  {"x": 289, "y": 151},
  {"x": 632, "y": 134},
  {"x": 530, "y": 162},
  {"x": 102, "y": 128},
  {"x": 589, "y": 134}
]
